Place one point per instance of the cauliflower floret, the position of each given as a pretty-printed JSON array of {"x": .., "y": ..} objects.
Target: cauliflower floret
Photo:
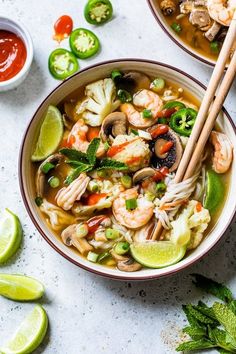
[
  {"x": 189, "y": 225},
  {"x": 135, "y": 154},
  {"x": 100, "y": 101}
]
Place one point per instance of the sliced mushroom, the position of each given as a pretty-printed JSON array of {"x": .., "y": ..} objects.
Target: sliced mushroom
[
  {"x": 113, "y": 125},
  {"x": 134, "y": 81},
  {"x": 40, "y": 175},
  {"x": 213, "y": 31},
  {"x": 70, "y": 238},
  {"x": 142, "y": 174},
  {"x": 118, "y": 257},
  {"x": 200, "y": 18},
  {"x": 128, "y": 265},
  {"x": 170, "y": 159},
  {"x": 168, "y": 7},
  {"x": 186, "y": 7}
]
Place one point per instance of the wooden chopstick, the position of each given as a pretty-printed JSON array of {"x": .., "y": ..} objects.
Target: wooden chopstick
[
  {"x": 208, "y": 98},
  {"x": 210, "y": 122}
]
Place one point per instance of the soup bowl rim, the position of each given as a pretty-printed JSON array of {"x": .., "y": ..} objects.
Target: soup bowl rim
[
  {"x": 180, "y": 43},
  {"x": 40, "y": 229}
]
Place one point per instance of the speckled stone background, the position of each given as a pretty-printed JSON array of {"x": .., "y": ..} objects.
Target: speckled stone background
[{"x": 89, "y": 314}]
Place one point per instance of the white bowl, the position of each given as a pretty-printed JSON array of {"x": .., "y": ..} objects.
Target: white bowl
[
  {"x": 84, "y": 77},
  {"x": 17, "y": 28}
]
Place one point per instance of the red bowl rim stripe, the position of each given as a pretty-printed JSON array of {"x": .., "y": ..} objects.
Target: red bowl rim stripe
[
  {"x": 116, "y": 277},
  {"x": 193, "y": 54}
]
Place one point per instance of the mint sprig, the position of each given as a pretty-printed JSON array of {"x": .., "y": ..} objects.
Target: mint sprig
[
  {"x": 211, "y": 327},
  {"x": 85, "y": 162}
]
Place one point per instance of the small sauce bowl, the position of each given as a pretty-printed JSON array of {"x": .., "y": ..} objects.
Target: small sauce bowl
[{"x": 7, "y": 24}]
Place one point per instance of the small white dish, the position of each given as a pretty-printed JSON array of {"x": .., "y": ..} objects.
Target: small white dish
[{"x": 8, "y": 24}]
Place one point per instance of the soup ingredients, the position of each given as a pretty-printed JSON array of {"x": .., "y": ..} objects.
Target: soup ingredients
[
  {"x": 215, "y": 191},
  {"x": 183, "y": 120},
  {"x": 145, "y": 99},
  {"x": 133, "y": 81},
  {"x": 20, "y": 287},
  {"x": 157, "y": 254},
  {"x": 98, "y": 12},
  {"x": 84, "y": 43},
  {"x": 62, "y": 64},
  {"x": 57, "y": 217},
  {"x": 168, "y": 7},
  {"x": 132, "y": 218},
  {"x": 176, "y": 27},
  {"x": 12, "y": 55},
  {"x": 46, "y": 166},
  {"x": 124, "y": 96},
  {"x": 72, "y": 235},
  {"x": 189, "y": 226},
  {"x": 128, "y": 265},
  {"x": 30, "y": 334},
  {"x": 50, "y": 134},
  {"x": 132, "y": 151},
  {"x": 220, "y": 11},
  {"x": 121, "y": 248},
  {"x": 223, "y": 152},
  {"x": 166, "y": 155},
  {"x": 62, "y": 27},
  {"x": 101, "y": 101},
  {"x": 113, "y": 125},
  {"x": 10, "y": 235},
  {"x": 68, "y": 195},
  {"x": 158, "y": 84},
  {"x": 211, "y": 326}
]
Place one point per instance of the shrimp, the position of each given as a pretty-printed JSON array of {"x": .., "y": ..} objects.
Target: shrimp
[
  {"x": 136, "y": 218},
  {"x": 68, "y": 195},
  {"x": 142, "y": 99},
  {"x": 223, "y": 152},
  {"x": 221, "y": 11},
  {"x": 77, "y": 138}
]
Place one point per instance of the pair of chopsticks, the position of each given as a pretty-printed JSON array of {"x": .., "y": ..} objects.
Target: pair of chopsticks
[{"x": 210, "y": 108}]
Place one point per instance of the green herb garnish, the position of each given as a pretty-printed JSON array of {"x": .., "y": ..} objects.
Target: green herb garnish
[
  {"x": 211, "y": 327},
  {"x": 147, "y": 113},
  {"x": 131, "y": 204},
  {"x": 85, "y": 162}
]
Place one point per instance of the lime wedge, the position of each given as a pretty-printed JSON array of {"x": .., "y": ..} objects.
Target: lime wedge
[
  {"x": 50, "y": 134},
  {"x": 30, "y": 333},
  {"x": 20, "y": 287},
  {"x": 158, "y": 254},
  {"x": 10, "y": 235},
  {"x": 215, "y": 191}
]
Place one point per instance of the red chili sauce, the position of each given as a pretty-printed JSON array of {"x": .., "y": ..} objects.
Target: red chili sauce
[
  {"x": 12, "y": 55},
  {"x": 63, "y": 27}
]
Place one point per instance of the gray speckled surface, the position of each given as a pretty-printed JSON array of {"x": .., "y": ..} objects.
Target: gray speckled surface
[{"x": 90, "y": 314}]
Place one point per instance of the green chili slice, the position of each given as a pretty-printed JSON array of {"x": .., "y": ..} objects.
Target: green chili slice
[
  {"x": 98, "y": 12},
  {"x": 183, "y": 120},
  {"x": 62, "y": 64},
  {"x": 84, "y": 43},
  {"x": 174, "y": 104}
]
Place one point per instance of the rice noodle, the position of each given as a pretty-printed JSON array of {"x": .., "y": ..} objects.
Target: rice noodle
[{"x": 176, "y": 194}]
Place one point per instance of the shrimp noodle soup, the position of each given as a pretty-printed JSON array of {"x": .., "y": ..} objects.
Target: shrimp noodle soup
[
  {"x": 109, "y": 177},
  {"x": 200, "y": 24}
]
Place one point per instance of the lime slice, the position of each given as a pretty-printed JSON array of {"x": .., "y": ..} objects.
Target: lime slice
[
  {"x": 215, "y": 191},
  {"x": 157, "y": 254},
  {"x": 10, "y": 235},
  {"x": 50, "y": 134},
  {"x": 20, "y": 287},
  {"x": 30, "y": 333}
]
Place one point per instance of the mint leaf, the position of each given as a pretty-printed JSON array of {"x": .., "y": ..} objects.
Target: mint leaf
[
  {"x": 202, "y": 318},
  {"x": 212, "y": 287},
  {"x": 77, "y": 171},
  {"x": 196, "y": 344},
  {"x": 195, "y": 333},
  {"x": 107, "y": 163},
  {"x": 221, "y": 338},
  {"x": 92, "y": 150},
  {"x": 226, "y": 318},
  {"x": 74, "y": 155},
  {"x": 205, "y": 310},
  {"x": 232, "y": 306}
]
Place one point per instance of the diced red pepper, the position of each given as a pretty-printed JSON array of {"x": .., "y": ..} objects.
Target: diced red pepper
[
  {"x": 199, "y": 207},
  {"x": 159, "y": 130},
  {"x": 164, "y": 170},
  {"x": 166, "y": 147},
  {"x": 166, "y": 113}
]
